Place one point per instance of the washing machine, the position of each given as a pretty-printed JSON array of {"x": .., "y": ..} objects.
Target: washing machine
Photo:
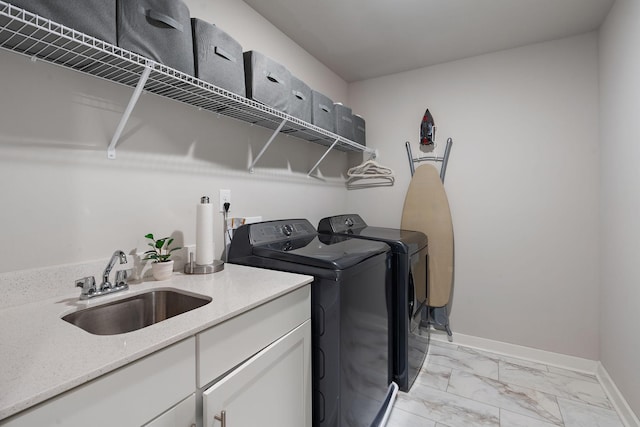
[
  {"x": 350, "y": 318},
  {"x": 410, "y": 334}
]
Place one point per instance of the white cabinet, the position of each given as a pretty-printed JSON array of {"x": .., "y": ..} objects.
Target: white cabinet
[
  {"x": 273, "y": 388},
  {"x": 260, "y": 365},
  {"x": 254, "y": 365},
  {"x": 129, "y": 396}
]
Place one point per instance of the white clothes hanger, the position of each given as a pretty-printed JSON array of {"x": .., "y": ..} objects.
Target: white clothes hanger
[
  {"x": 370, "y": 174},
  {"x": 370, "y": 169}
]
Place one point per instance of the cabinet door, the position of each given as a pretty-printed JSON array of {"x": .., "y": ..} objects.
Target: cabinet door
[
  {"x": 181, "y": 415},
  {"x": 273, "y": 388}
]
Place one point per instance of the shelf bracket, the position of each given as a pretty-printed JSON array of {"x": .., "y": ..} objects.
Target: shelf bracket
[
  {"x": 111, "y": 151},
  {"x": 322, "y": 158},
  {"x": 273, "y": 136}
]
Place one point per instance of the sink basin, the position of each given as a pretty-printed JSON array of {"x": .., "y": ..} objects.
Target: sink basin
[{"x": 136, "y": 312}]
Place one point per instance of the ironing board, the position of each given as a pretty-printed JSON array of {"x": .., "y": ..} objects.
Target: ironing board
[{"x": 426, "y": 209}]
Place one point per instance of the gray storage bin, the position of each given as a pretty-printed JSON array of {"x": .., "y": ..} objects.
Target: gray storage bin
[
  {"x": 159, "y": 30},
  {"x": 359, "y": 130},
  {"x": 96, "y": 18},
  {"x": 344, "y": 120},
  {"x": 218, "y": 57},
  {"x": 300, "y": 100},
  {"x": 267, "y": 81},
  {"x": 322, "y": 111}
]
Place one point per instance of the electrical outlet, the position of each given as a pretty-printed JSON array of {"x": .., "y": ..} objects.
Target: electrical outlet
[{"x": 225, "y": 197}]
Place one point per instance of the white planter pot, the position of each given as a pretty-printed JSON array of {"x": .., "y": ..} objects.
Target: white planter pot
[{"x": 162, "y": 270}]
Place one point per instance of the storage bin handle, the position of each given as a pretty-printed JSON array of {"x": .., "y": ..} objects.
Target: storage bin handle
[
  {"x": 223, "y": 53},
  {"x": 324, "y": 108},
  {"x": 298, "y": 95},
  {"x": 274, "y": 78},
  {"x": 165, "y": 19}
]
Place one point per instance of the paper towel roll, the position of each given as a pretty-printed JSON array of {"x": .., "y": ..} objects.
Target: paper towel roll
[{"x": 204, "y": 232}]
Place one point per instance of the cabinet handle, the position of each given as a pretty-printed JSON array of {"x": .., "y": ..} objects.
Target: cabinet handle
[{"x": 222, "y": 418}]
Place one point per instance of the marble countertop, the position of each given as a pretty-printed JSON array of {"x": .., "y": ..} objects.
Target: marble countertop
[{"x": 42, "y": 356}]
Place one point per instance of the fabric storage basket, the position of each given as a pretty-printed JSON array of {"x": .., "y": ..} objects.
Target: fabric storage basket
[
  {"x": 300, "y": 100},
  {"x": 218, "y": 57},
  {"x": 96, "y": 18},
  {"x": 159, "y": 30},
  {"x": 359, "y": 130},
  {"x": 322, "y": 111},
  {"x": 344, "y": 120},
  {"x": 267, "y": 81}
]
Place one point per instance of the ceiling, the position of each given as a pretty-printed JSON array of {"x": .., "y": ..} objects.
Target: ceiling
[{"x": 361, "y": 39}]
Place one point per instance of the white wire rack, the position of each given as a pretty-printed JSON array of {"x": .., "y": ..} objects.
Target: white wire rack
[{"x": 39, "y": 38}]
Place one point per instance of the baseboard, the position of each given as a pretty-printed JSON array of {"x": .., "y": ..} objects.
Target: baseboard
[
  {"x": 618, "y": 401},
  {"x": 527, "y": 353}
]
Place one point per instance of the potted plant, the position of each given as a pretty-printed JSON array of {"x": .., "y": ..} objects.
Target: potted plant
[{"x": 162, "y": 266}]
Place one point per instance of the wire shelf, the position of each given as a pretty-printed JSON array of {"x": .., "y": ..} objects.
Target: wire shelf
[{"x": 28, "y": 34}]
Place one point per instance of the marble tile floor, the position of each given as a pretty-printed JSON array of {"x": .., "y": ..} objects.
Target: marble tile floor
[{"x": 462, "y": 387}]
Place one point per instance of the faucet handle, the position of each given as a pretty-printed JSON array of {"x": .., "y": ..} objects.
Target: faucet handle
[
  {"x": 121, "y": 278},
  {"x": 88, "y": 285}
]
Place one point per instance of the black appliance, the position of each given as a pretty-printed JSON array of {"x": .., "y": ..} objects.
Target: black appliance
[
  {"x": 409, "y": 278},
  {"x": 350, "y": 298}
]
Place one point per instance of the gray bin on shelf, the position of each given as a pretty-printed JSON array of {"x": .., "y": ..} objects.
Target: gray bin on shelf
[
  {"x": 267, "y": 81},
  {"x": 322, "y": 111},
  {"x": 96, "y": 18},
  {"x": 159, "y": 30},
  {"x": 359, "y": 130},
  {"x": 300, "y": 100},
  {"x": 218, "y": 57},
  {"x": 344, "y": 120}
]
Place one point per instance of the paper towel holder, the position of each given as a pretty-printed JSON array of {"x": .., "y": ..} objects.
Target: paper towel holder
[{"x": 192, "y": 268}]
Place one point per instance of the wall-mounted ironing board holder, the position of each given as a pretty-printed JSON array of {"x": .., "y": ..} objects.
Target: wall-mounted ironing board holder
[
  {"x": 437, "y": 316},
  {"x": 444, "y": 159}
]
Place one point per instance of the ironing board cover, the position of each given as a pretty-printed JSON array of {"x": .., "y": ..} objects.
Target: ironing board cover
[{"x": 426, "y": 209}]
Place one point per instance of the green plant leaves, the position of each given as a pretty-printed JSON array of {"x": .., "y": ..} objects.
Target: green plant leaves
[{"x": 159, "y": 246}]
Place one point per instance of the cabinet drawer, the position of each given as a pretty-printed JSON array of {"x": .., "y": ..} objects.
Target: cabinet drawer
[
  {"x": 129, "y": 396},
  {"x": 228, "y": 344}
]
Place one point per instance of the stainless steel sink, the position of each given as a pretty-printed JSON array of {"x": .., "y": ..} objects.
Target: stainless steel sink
[{"x": 136, "y": 312}]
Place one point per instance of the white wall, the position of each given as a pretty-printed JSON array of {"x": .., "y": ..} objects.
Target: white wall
[
  {"x": 62, "y": 201},
  {"x": 522, "y": 183},
  {"x": 620, "y": 200}
]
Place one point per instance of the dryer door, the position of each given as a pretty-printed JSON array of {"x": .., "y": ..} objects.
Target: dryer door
[
  {"x": 418, "y": 334},
  {"x": 418, "y": 276}
]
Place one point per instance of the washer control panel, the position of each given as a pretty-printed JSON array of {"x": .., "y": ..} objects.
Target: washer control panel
[{"x": 274, "y": 231}]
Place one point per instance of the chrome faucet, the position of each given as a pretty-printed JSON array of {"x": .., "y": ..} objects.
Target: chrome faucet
[
  {"x": 88, "y": 284},
  {"x": 117, "y": 255}
]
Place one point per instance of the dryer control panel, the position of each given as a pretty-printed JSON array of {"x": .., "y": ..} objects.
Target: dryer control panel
[{"x": 341, "y": 224}]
